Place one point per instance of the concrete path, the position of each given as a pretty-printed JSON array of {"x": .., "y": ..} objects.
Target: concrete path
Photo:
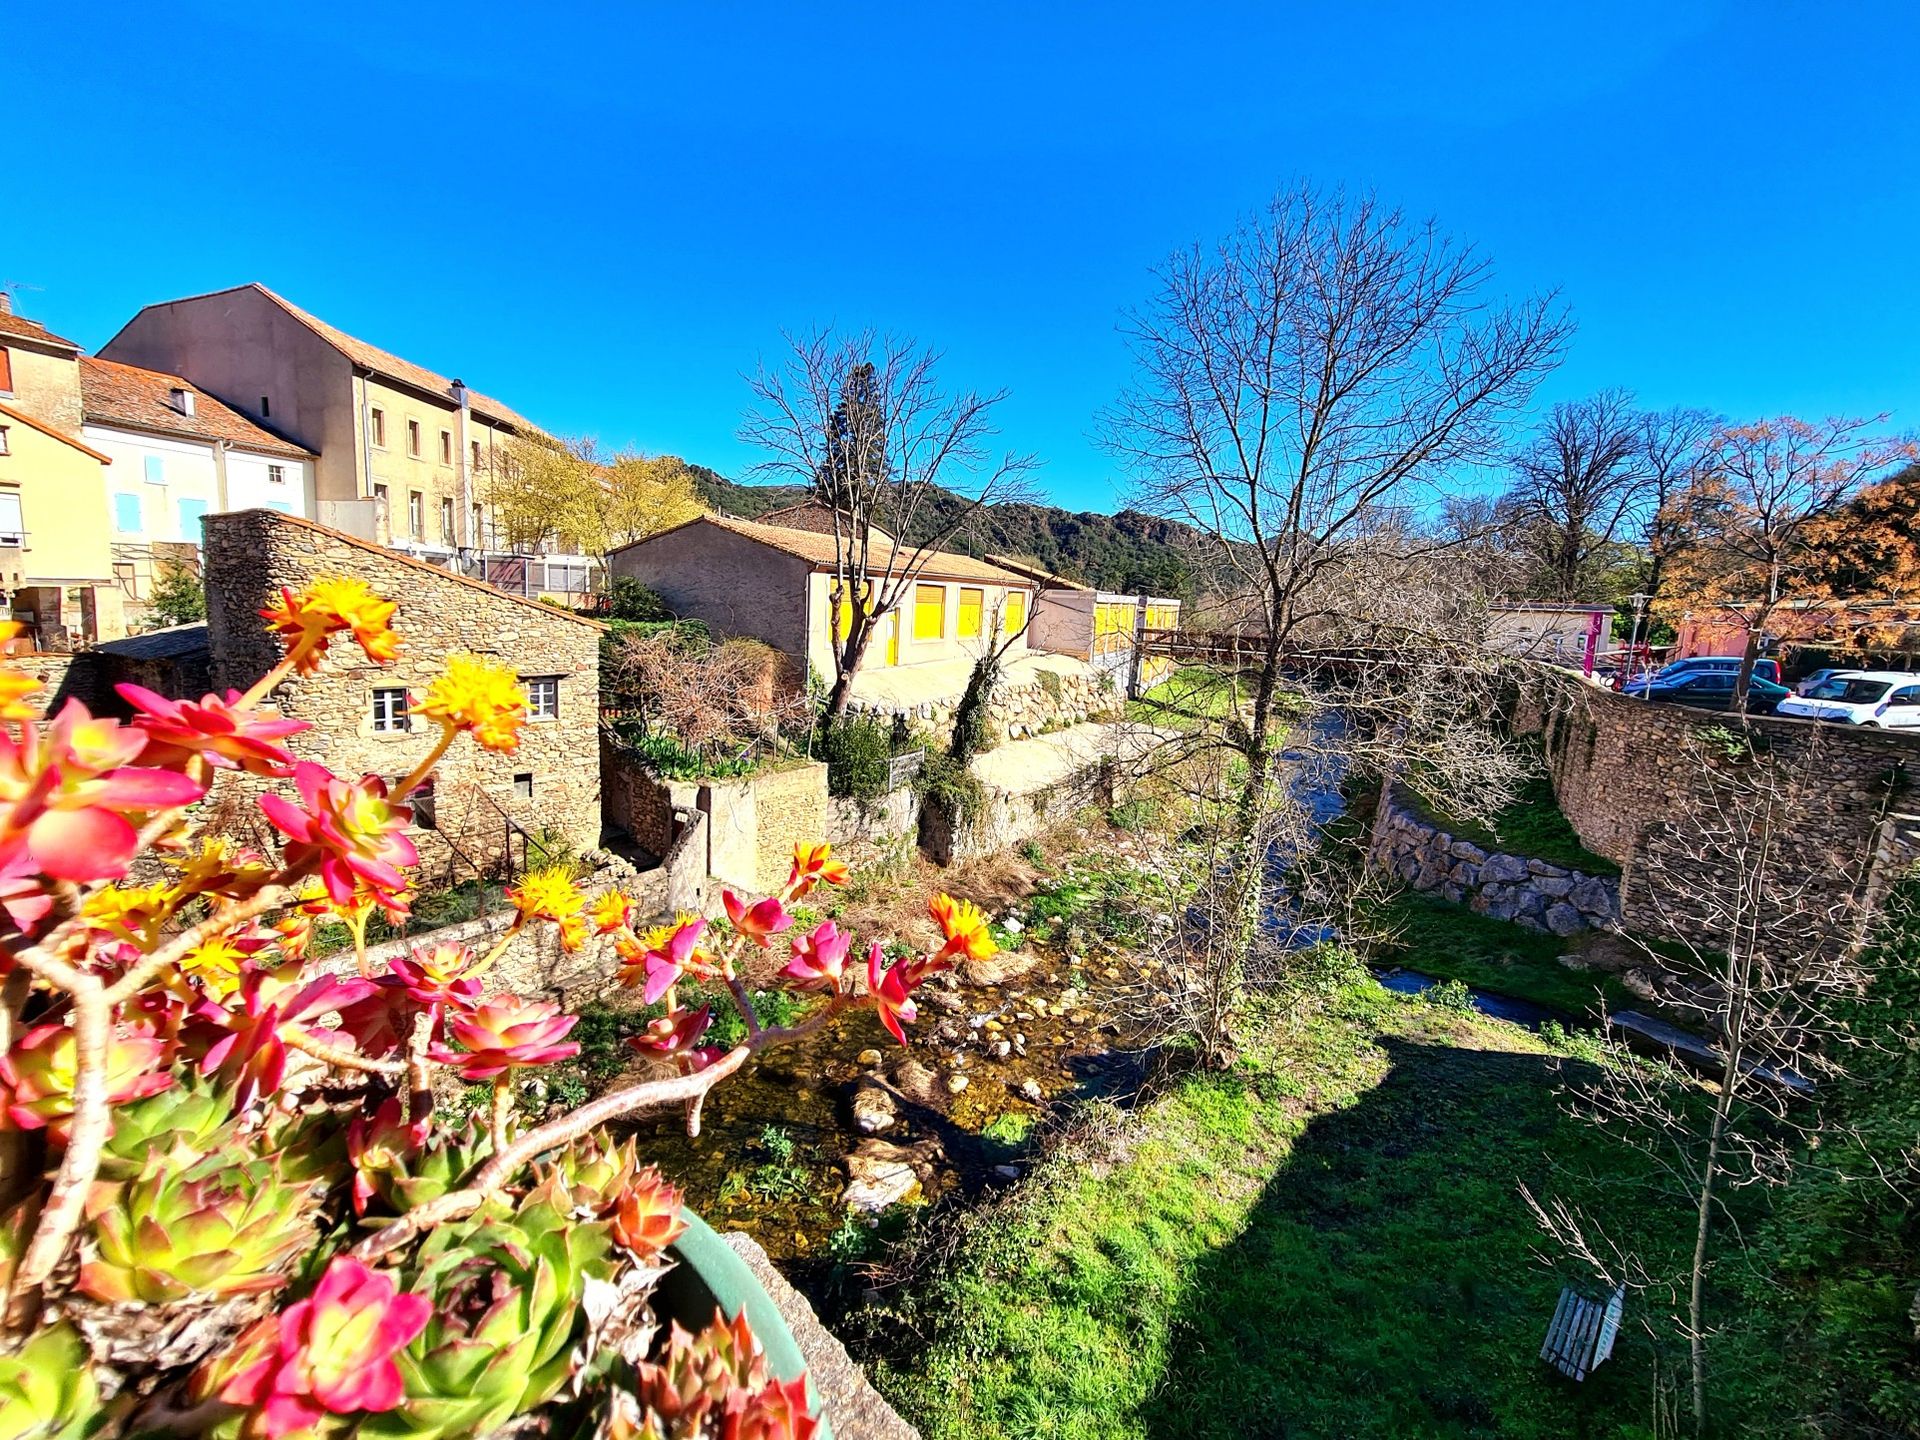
[{"x": 1021, "y": 767}]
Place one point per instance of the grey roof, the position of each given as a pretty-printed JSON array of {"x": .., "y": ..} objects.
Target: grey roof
[{"x": 167, "y": 644}]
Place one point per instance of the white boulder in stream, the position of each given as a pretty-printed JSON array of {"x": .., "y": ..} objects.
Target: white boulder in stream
[
  {"x": 873, "y": 1110},
  {"x": 879, "y": 1174}
]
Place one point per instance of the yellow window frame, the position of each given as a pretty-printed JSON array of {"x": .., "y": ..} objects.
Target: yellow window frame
[
  {"x": 1016, "y": 611},
  {"x": 929, "y": 612},
  {"x": 973, "y": 604}
]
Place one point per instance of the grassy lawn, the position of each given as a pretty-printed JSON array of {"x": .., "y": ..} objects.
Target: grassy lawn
[
  {"x": 1329, "y": 1242},
  {"x": 1532, "y": 825},
  {"x": 1189, "y": 695},
  {"x": 1453, "y": 943}
]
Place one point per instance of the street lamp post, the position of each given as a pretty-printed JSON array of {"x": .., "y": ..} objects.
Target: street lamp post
[{"x": 1633, "y": 639}]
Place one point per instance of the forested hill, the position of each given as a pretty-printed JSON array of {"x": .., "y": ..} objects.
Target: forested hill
[{"x": 1130, "y": 552}]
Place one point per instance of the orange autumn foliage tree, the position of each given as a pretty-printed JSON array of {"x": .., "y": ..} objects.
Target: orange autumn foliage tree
[
  {"x": 1754, "y": 536},
  {"x": 1872, "y": 554}
]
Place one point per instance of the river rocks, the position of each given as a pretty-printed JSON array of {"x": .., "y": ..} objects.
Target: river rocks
[
  {"x": 1002, "y": 1049},
  {"x": 1030, "y": 1090},
  {"x": 956, "y": 1083},
  {"x": 1520, "y": 888},
  {"x": 1007, "y": 1172},
  {"x": 917, "y": 1082},
  {"x": 879, "y": 1174},
  {"x": 868, "y": 1058},
  {"x": 874, "y": 1110}
]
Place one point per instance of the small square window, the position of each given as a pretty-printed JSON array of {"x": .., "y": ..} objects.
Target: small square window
[
  {"x": 390, "y": 712},
  {"x": 413, "y": 438},
  {"x": 543, "y": 697},
  {"x": 523, "y": 785},
  {"x": 276, "y": 474},
  {"x": 380, "y": 428}
]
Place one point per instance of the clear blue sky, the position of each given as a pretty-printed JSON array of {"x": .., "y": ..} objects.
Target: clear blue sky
[{"x": 605, "y": 215}]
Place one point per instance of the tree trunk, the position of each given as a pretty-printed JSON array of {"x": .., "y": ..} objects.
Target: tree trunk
[
  {"x": 1257, "y": 748},
  {"x": 1696, "y": 1280}
]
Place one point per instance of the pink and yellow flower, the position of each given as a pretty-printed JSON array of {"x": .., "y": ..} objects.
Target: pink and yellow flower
[
  {"x": 327, "y": 607},
  {"x": 331, "y": 1354},
  {"x": 351, "y": 832},
  {"x": 673, "y": 1036},
  {"x": 379, "y": 1144},
  {"x": 964, "y": 928},
  {"x": 480, "y": 697},
  {"x": 646, "y": 1218},
  {"x": 889, "y": 990},
  {"x": 503, "y": 1032},
  {"x": 670, "y": 952},
  {"x": 67, "y": 789},
  {"x": 813, "y": 864},
  {"x": 217, "y": 729},
  {"x": 437, "y": 975},
  {"x": 758, "y": 922},
  {"x": 38, "y": 1075},
  {"x": 819, "y": 958},
  {"x": 246, "y": 1039},
  {"x": 15, "y": 686}
]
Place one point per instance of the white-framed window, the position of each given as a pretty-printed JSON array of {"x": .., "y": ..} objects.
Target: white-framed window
[
  {"x": 416, "y": 515},
  {"x": 390, "y": 711},
  {"x": 276, "y": 474},
  {"x": 446, "y": 522},
  {"x": 543, "y": 696},
  {"x": 13, "y": 529}
]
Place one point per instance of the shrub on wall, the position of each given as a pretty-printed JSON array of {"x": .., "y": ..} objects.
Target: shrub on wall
[{"x": 859, "y": 755}]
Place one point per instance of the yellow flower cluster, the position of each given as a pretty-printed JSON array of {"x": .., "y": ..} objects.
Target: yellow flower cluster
[
  {"x": 551, "y": 895},
  {"x": 481, "y": 698},
  {"x": 15, "y": 687},
  {"x": 327, "y": 606}
]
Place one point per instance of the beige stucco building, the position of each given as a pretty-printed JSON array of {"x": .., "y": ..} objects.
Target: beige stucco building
[
  {"x": 56, "y": 571},
  {"x": 401, "y": 450},
  {"x": 779, "y": 585}
]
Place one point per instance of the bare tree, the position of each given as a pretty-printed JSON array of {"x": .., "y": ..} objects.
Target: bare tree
[
  {"x": 1757, "y": 914},
  {"x": 1319, "y": 371},
  {"x": 905, "y": 464},
  {"x": 1672, "y": 447},
  {"x": 1577, "y": 482},
  {"x": 1752, "y": 531}
]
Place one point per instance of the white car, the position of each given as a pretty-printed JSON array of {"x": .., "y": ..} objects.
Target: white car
[{"x": 1886, "y": 698}]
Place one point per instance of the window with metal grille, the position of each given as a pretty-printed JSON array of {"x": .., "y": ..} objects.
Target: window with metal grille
[{"x": 389, "y": 712}]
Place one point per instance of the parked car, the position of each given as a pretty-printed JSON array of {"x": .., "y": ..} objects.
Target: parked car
[
  {"x": 1889, "y": 699},
  {"x": 1818, "y": 677},
  {"x": 1713, "y": 690},
  {"x": 1763, "y": 669}
]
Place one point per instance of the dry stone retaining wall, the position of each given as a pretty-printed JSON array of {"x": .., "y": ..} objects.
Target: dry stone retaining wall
[
  {"x": 1015, "y": 711},
  {"x": 1506, "y": 887}
]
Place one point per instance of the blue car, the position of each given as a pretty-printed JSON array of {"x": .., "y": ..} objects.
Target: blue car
[{"x": 1713, "y": 690}]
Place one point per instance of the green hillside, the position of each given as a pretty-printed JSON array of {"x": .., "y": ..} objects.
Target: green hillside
[{"x": 1128, "y": 552}]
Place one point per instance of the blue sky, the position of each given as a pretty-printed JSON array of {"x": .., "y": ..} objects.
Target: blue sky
[{"x": 604, "y": 215}]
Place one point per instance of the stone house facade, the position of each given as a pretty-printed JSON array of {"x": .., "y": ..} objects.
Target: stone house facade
[{"x": 482, "y": 807}]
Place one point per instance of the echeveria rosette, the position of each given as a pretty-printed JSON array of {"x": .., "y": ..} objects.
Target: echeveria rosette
[
  {"x": 717, "y": 1382},
  {"x": 646, "y": 1217},
  {"x": 37, "y": 1076},
  {"x": 220, "y": 730},
  {"x": 330, "y": 1355},
  {"x": 819, "y": 958},
  {"x": 506, "y": 1309},
  {"x": 47, "y": 1388},
  {"x": 674, "y": 1036},
  {"x": 503, "y": 1032},
  {"x": 588, "y": 1177},
  {"x": 67, "y": 790},
  {"x": 306, "y": 621},
  {"x": 195, "y": 1227},
  {"x": 352, "y": 834},
  {"x": 194, "y": 1117},
  {"x": 394, "y": 1164},
  {"x": 758, "y": 922}
]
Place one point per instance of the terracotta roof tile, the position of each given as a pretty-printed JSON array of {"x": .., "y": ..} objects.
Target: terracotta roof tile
[
  {"x": 818, "y": 549},
  {"x": 116, "y": 394},
  {"x": 18, "y": 327}
]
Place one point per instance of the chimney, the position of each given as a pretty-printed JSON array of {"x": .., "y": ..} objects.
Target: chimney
[
  {"x": 181, "y": 399},
  {"x": 460, "y": 394},
  {"x": 6, "y": 302}
]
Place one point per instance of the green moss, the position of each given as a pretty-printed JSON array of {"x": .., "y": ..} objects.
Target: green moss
[{"x": 1533, "y": 825}]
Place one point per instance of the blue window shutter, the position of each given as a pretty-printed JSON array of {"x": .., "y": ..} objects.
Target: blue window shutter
[
  {"x": 156, "y": 470},
  {"x": 190, "y": 514},
  {"x": 126, "y": 514}
]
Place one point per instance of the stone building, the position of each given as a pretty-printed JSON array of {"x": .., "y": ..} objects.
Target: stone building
[
  {"x": 401, "y": 449},
  {"x": 481, "y": 806}
]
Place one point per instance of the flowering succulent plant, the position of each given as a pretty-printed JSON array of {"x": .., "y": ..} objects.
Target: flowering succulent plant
[{"x": 206, "y": 1089}]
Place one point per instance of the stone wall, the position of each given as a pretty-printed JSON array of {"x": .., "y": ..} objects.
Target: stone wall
[
  {"x": 551, "y": 783},
  {"x": 1507, "y": 887},
  {"x": 792, "y": 807},
  {"x": 636, "y": 800},
  {"x": 1008, "y": 816},
  {"x": 65, "y": 677},
  {"x": 1625, "y": 769},
  {"x": 1051, "y": 701},
  {"x": 865, "y": 827}
]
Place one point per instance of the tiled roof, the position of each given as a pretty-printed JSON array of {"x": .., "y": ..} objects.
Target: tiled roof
[
  {"x": 818, "y": 550},
  {"x": 116, "y": 394},
  {"x": 167, "y": 644},
  {"x": 382, "y": 362},
  {"x": 807, "y": 515},
  {"x": 1034, "y": 571},
  {"x": 48, "y": 430},
  {"x": 18, "y": 327}
]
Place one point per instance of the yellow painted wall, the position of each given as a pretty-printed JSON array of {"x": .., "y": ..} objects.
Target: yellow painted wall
[
  {"x": 914, "y": 648},
  {"x": 63, "y": 509},
  {"x": 46, "y": 387}
]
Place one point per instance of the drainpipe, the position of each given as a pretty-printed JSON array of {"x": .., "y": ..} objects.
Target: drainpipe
[
  {"x": 363, "y": 488},
  {"x": 464, "y": 521},
  {"x": 220, "y": 476}
]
